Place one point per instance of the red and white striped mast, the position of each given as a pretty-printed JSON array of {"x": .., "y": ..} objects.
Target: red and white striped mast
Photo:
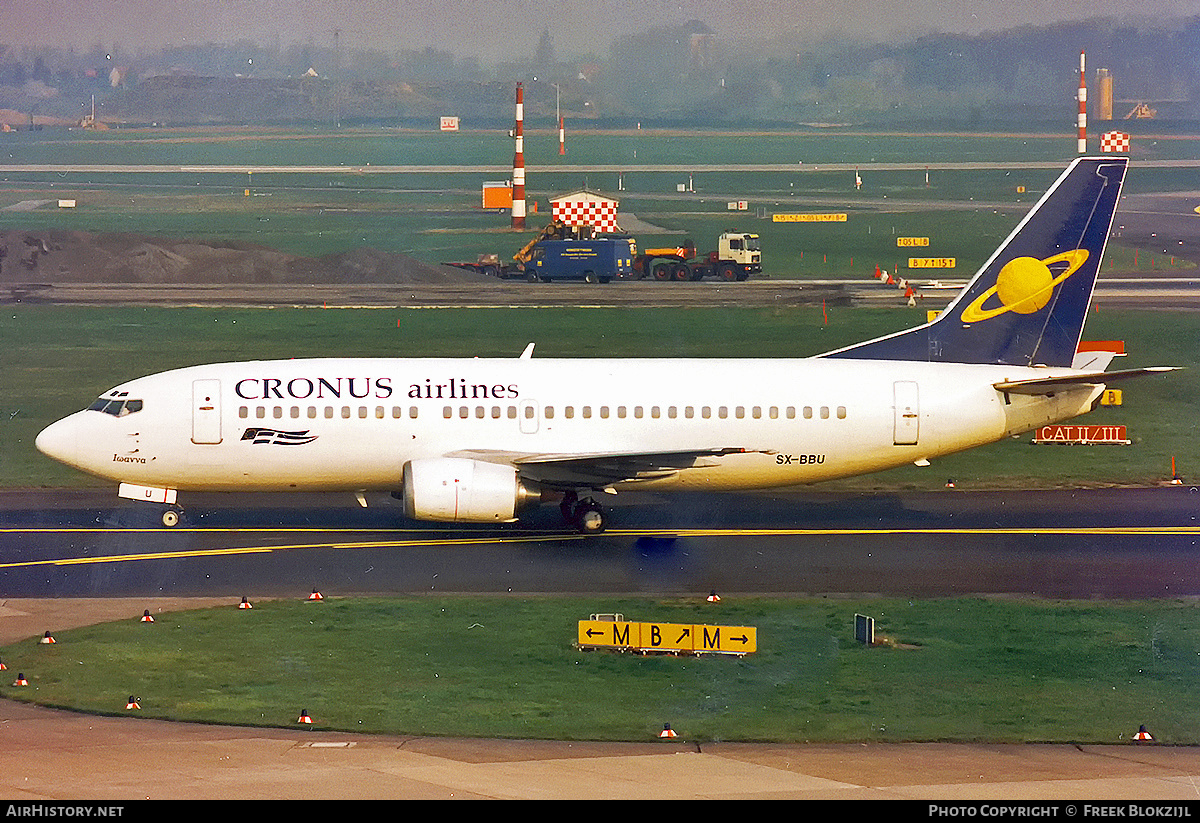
[
  {"x": 562, "y": 137},
  {"x": 1082, "y": 106},
  {"x": 518, "y": 176}
]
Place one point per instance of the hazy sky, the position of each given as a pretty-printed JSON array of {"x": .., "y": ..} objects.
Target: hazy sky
[{"x": 490, "y": 28}]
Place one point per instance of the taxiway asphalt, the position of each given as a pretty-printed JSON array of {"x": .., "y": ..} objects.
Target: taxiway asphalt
[{"x": 1109, "y": 543}]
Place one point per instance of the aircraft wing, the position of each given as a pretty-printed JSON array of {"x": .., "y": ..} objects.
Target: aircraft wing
[
  {"x": 599, "y": 469},
  {"x": 1048, "y": 385}
]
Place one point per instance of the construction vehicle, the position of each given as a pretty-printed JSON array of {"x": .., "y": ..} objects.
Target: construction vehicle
[
  {"x": 562, "y": 252},
  {"x": 738, "y": 255}
]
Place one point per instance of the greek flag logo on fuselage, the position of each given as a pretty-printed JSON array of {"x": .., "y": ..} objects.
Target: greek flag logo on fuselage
[{"x": 274, "y": 437}]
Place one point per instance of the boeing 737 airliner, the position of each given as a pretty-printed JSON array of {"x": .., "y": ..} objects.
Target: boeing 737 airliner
[{"x": 478, "y": 440}]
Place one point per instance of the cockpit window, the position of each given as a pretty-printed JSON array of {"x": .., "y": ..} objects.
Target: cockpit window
[{"x": 115, "y": 406}]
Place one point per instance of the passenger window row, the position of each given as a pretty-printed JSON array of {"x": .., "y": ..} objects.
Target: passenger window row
[
  {"x": 691, "y": 412},
  {"x": 327, "y": 412},
  {"x": 548, "y": 412}
]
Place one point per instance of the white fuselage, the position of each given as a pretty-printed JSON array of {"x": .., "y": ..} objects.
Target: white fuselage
[{"x": 352, "y": 424}]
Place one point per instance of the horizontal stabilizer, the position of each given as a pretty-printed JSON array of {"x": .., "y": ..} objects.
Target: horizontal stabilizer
[{"x": 1045, "y": 385}]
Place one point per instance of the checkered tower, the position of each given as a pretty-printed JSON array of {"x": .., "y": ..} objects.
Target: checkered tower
[
  {"x": 518, "y": 203},
  {"x": 1082, "y": 106}
]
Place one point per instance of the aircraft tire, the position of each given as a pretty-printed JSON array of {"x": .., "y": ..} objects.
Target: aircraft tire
[{"x": 589, "y": 517}]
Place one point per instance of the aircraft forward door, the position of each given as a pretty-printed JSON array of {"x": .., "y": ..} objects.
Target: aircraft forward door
[
  {"x": 206, "y": 411},
  {"x": 907, "y": 422}
]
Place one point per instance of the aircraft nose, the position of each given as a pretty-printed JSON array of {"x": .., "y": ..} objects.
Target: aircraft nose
[{"x": 60, "y": 440}]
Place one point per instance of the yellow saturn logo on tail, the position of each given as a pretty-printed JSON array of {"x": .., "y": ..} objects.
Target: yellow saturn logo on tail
[{"x": 1024, "y": 285}]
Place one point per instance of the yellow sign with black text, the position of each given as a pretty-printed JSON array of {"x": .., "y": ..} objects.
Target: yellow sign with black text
[
  {"x": 609, "y": 634},
  {"x": 931, "y": 262},
  {"x": 905, "y": 242},
  {"x": 684, "y": 638},
  {"x": 808, "y": 218}
]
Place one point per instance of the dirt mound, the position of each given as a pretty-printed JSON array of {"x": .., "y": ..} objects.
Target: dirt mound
[
  {"x": 371, "y": 266},
  {"x": 84, "y": 257}
]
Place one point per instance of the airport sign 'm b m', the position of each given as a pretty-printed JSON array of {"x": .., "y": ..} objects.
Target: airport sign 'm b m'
[{"x": 677, "y": 638}]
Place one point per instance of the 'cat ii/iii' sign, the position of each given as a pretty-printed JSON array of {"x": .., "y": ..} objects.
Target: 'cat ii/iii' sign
[{"x": 679, "y": 638}]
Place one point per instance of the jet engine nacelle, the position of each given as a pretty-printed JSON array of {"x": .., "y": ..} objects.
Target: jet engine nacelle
[{"x": 458, "y": 490}]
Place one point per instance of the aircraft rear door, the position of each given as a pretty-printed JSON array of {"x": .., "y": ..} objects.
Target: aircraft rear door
[
  {"x": 206, "y": 411},
  {"x": 907, "y": 413}
]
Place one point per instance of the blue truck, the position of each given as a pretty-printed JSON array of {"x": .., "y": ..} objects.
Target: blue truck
[
  {"x": 592, "y": 261},
  {"x": 557, "y": 255}
]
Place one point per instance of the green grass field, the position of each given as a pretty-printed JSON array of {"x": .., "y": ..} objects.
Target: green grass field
[
  {"x": 947, "y": 670},
  {"x": 436, "y": 217}
]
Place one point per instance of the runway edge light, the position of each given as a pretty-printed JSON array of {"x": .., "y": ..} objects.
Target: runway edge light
[
  {"x": 47, "y": 639},
  {"x": 245, "y": 604},
  {"x": 304, "y": 717},
  {"x": 1142, "y": 734},
  {"x": 315, "y": 596},
  {"x": 667, "y": 732},
  {"x": 132, "y": 704},
  {"x": 21, "y": 681},
  {"x": 146, "y": 618}
]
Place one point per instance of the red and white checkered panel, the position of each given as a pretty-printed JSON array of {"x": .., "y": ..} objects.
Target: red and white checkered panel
[
  {"x": 601, "y": 215},
  {"x": 1114, "y": 141}
]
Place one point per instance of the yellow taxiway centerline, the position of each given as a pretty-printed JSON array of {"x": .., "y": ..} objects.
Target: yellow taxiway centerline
[
  {"x": 1117, "y": 531},
  {"x": 228, "y": 552}
]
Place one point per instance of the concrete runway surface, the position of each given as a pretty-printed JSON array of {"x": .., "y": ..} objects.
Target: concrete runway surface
[{"x": 1108, "y": 543}]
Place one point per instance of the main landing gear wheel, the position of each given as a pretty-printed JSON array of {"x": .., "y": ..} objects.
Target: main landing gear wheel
[{"x": 587, "y": 516}]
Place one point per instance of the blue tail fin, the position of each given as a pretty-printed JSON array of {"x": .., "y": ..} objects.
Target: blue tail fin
[{"x": 1026, "y": 306}]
